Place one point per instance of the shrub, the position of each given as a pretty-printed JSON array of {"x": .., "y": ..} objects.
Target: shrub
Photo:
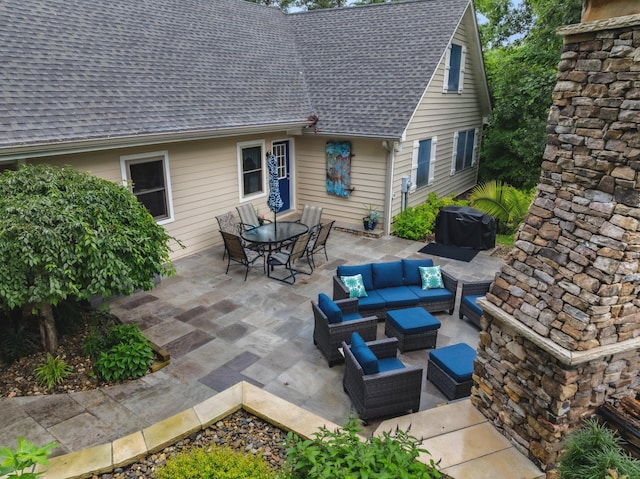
[
  {"x": 341, "y": 454},
  {"x": 97, "y": 339},
  {"x": 216, "y": 463},
  {"x": 415, "y": 223},
  {"x": 14, "y": 462},
  {"x": 53, "y": 371},
  {"x": 593, "y": 452},
  {"x": 127, "y": 354},
  {"x": 505, "y": 203}
]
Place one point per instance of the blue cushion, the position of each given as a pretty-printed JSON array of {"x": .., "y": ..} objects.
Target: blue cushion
[
  {"x": 363, "y": 354},
  {"x": 398, "y": 296},
  {"x": 372, "y": 301},
  {"x": 471, "y": 302},
  {"x": 389, "y": 364},
  {"x": 456, "y": 360},
  {"x": 410, "y": 272},
  {"x": 331, "y": 310},
  {"x": 356, "y": 340},
  {"x": 363, "y": 269},
  {"x": 387, "y": 275},
  {"x": 350, "y": 317},
  {"x": 425, "y": 295},
  {"x": 413, "y": 320}
]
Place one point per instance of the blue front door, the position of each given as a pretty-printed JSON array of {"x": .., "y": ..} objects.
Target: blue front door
[{"x": 281, "y": 152}]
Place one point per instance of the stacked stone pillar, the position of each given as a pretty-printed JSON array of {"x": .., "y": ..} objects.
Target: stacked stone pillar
[{"x": 561, "y": 324}]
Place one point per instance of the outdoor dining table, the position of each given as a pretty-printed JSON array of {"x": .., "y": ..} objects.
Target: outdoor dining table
[{"x": 272, "y": 235}]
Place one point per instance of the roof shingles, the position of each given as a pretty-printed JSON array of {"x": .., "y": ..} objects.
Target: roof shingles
[{"x": 82, "y": 69}]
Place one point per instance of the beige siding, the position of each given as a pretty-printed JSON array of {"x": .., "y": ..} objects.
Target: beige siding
[
  {"x": 368, "y": 173},
  {"x": 441, "y": 115},
  {"x": 204, "y": 183}
]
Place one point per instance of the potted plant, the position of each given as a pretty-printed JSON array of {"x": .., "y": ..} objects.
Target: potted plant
[{"x": 372, "y": 217}]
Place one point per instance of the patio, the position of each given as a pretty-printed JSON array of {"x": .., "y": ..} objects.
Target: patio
[{"x": 221, "y": 330}]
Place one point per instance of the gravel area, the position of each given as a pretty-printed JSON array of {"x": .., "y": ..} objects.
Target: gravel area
[{"x": 241, "y": 431}]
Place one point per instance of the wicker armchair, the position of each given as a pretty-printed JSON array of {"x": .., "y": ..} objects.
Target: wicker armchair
[
  {"x": 329, "y": 336},
  {"x": 386, "y": 393},
  {"x": 470, "y": 292}
]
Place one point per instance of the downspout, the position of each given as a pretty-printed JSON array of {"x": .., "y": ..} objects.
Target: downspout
[{"x": 390, "y": 146}]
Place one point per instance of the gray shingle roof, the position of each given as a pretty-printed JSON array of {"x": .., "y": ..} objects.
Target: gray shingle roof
[
  {"x": 82, "y": 69},
  {"x": 367, "y": 68}
]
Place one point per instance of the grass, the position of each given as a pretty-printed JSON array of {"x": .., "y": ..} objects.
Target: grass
[{"x": 505, "y": 240}]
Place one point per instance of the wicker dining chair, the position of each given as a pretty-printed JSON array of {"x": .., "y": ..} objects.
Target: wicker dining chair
[
  {"x": 238, "y": 253},
  {"x": 248, "y": 216},
  {"x": 318, "y": 242},
  {"x": 311, "y": 216},
  {"x": 227, "y": 223},
  {"x": 286, "y": 258}
]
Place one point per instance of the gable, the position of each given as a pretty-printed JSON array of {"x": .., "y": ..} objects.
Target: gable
[{"x": 367, "y": 67}]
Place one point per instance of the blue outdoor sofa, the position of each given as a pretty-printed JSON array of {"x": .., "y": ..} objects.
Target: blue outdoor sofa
[{"x": 396, "y": 285}]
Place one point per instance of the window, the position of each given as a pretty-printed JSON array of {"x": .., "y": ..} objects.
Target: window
[
  {"x": 251, "y": 166},
  {"x": 148, "y": 176},
  {"x": 423, "y": 162},
  {"x": 454, "y": 69},
  {"x": 464, "y": 148}
]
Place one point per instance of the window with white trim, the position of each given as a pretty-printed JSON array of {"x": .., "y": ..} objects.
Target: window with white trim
[
  {"x": 454, "y": 69},
  {"x": 464, "y": 150},
  {"x": 423, "y": 162},
  {"x": 251, "y": 169},
  {"x": 147, "y": 174}
]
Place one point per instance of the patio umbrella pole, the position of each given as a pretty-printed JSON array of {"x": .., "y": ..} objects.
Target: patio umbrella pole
[{"x": 275, "y": 201}]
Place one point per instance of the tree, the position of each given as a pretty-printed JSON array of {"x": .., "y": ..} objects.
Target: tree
[
  {"x": 522, "y": 52},
  {"x": 68, "y": 234}
]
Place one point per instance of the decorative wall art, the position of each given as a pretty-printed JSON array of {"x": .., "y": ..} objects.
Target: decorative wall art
[{"x": 339, "y": 168}]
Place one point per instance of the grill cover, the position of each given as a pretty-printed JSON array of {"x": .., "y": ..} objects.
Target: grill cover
[{"x": 465, "y": 226}]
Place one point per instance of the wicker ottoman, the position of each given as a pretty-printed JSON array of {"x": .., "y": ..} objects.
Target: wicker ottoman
[
  {"x": 415, "y": 328},
  {"x": 450, "y": 369}
]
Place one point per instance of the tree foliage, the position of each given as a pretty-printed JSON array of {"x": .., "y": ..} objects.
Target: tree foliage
[
  {"x": 522, "y": 51},
  {"x": 505, "y": 203},
  {"x": 68, "y": 234}
]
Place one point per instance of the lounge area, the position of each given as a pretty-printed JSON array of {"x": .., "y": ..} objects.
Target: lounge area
[{"x": 220, "y": 329}]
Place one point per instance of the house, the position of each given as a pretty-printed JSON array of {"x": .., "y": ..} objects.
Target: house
[{"x": 183, "y": 100}]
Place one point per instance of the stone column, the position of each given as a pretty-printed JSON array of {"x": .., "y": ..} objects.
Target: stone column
[{"x": 561, "y": 325}]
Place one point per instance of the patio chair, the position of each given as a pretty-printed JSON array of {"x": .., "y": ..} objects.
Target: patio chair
[
  {"x": 239, "y": 253},
  {"x": 248, "y": 217},
  {"x": 319, "y": 242},
  {"x": 335, "y": 321},
  {"x": 286, "y": 258},
  {"x": 227, "y": 223},
  {"x": 377, "y": 382},
  {"x": 470, "y": 292},
  {"x": 311, "y": 216}
]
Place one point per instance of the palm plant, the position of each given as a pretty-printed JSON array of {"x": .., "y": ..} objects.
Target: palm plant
[{"x": 505, "y": 203}]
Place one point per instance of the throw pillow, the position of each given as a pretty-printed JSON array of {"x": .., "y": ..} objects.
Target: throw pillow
[
  {"x": 355, "y": 286},
  {"x": 330, "y": 309},
  {"x": 431, "y": 277}
]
